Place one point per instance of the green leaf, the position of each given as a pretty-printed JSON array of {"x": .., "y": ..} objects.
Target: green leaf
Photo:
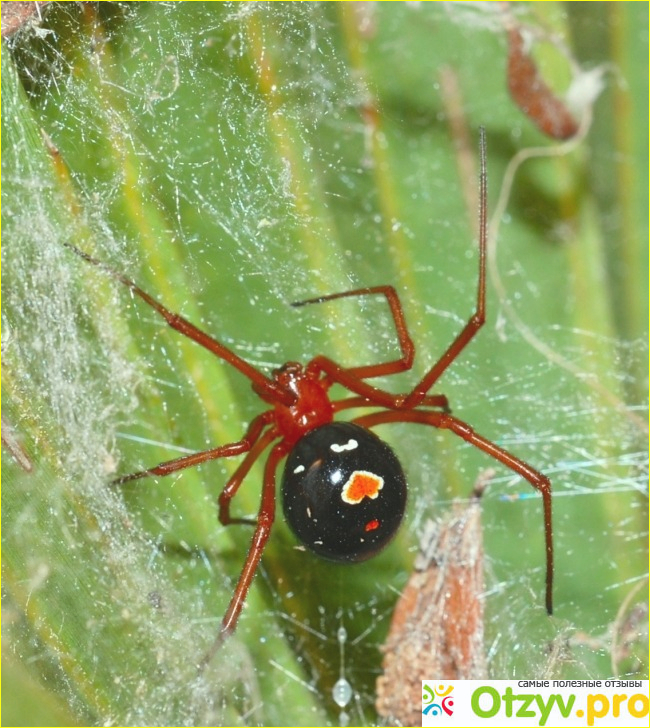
[{"x": 232, "y": 158}]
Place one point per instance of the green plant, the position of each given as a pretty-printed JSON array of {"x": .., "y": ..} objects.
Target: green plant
[{"x": 232, "y": 158}]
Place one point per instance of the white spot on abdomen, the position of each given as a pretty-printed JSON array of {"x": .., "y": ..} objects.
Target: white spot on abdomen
[{"x": 351, "y": 444}]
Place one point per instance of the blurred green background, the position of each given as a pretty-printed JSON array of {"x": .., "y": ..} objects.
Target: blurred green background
[{"x": 232, "y": 158}]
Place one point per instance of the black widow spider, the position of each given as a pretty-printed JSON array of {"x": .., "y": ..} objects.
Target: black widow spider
[{"x": 344, "y": 491}]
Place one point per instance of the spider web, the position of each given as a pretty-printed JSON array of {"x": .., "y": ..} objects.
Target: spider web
[{"x": 233, "y": 158}]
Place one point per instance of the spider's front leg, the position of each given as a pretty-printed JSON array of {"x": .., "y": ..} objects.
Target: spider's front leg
[
  {"x": 263, "y": 384},
  {"x": 350, "y": 377},
  {"x": 405, "y": 362}
]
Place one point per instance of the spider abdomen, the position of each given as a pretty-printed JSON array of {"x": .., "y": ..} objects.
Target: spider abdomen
[{"x": 343, "y": 492}]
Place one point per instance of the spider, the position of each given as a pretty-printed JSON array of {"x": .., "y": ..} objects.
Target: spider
[{"x": 343, "y": 489}]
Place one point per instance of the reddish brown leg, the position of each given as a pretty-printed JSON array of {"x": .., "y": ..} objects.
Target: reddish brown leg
[
  {"x": 266, "y": 387},
  {"x": 346, "y": 377},
  {"x": 232, "y": 486},
  {"x": 448, "y": 422},
  {"x": 223, "y": 451},
  {"x": 406, "y": 344},
  {"x": 435, "y": 400},
  {"x": 265, "y": 518},
  {"x": 351, "y": 378}
]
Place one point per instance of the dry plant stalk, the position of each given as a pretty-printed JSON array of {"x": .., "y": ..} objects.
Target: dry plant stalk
[{"x": 437, "y": 626}]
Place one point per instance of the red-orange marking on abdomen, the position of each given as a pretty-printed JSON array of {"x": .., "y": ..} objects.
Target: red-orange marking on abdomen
[{"x": 361, "y": 484}]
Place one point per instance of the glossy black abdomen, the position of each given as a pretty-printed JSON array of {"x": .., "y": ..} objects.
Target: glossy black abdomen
[{"x": 343, "y": 492}]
